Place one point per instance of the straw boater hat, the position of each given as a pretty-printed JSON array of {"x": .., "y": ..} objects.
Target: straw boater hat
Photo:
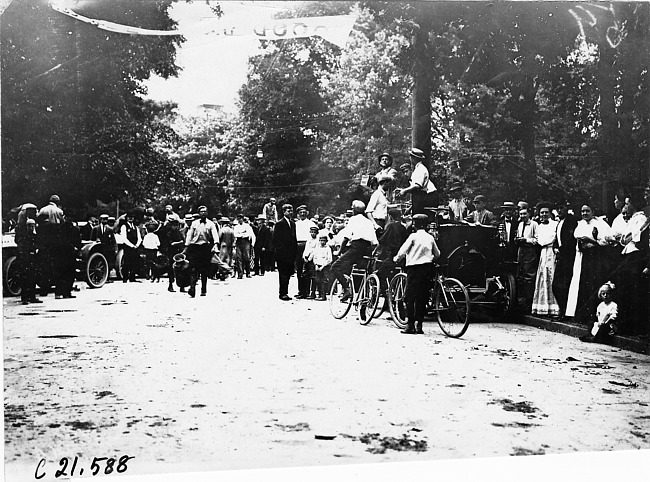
[
  {"x": 261, "y": 217},
  {"x": 456, "y": 186},
  {"x": 508, "y": 205},
  {"x": 189, "y": 217},
  {"x": 103, "y": 216},
  {"x": 417, "y": 153},
  {"x": 224, "y": 219}
]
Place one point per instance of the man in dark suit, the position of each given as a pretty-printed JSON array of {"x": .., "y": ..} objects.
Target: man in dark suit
[
  {"x": 565, "y": 256},
  {"x": 105, "y": 235},
  {"x": 262, "y": 246},
  {"x": 507, "y": 227},
  {"x": 285, "y": 245}
]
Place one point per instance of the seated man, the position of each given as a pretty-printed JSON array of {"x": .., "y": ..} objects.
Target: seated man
[
  {"x": 480, "y": 215},
  {"x": 360, "y": 239},
  {"x": 394, "y": 236}
]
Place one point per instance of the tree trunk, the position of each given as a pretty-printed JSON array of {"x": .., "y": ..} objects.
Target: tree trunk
[{"x": 421, "y": 96}]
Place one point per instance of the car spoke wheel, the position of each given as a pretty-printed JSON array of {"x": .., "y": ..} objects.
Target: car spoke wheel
[
  {"x": 96, "y": 270},
  {"x": 12, "y": 277}
]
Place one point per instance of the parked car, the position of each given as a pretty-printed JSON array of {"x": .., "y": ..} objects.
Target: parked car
[{"x": 92, "y": 266}]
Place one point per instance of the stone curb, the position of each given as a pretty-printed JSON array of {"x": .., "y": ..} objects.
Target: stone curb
[{"x": 625, "y": 343}]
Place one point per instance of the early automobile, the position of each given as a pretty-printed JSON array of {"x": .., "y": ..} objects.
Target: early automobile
[{"x": 92, "y": 266}]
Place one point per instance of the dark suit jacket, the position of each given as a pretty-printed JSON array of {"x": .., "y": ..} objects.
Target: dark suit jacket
[
  {"x": 511, "y": 247},
  {"x": 263, "y": 238},
  {"x": 108, "y": 238},
  {"x": 284, "y": 241},
  {"x": 565, "y": 235}
]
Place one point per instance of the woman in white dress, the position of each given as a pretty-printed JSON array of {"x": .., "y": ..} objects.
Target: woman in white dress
[
  {"x": 544, "y": 302},
  {"x": 590, "y": 268}
]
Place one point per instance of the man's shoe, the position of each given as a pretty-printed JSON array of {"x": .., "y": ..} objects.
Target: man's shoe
[
  {"x": 321, "y": 298},
  {"x": 299, "y": 296},
  {"x": 203, "y": 293},
  {"x": 408, "y": 332},
  {"x": 347, "y": 296},
  {"x": 191, "y": 292},
  {"x": 248, "y": 276},
  {"x": 171, "y": 289},
  {"x": 311, "y": 297},
  {"x": 25, "y": 302},
  {"x": 285, "y": 297},
  {"x": 69, "y": 296},
  {"x": 34, "y": 300}
]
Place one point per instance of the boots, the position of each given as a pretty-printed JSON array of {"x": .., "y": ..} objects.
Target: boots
[
  {"x": 410, "y": 328},
  {"x": 418, "y": 328}
]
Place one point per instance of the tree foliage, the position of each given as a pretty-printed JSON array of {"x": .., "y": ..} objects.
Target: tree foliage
[{"x": 73, "y": 116}]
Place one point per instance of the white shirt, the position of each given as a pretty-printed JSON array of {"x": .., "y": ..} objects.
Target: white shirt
[
  {"x": 244, "y": 231},
  {"x": 619, "y": 225},
  {"x": 378, "y": 205},
  {"x": 303, "y": 229},
  {"x": 585, "y": 229},
  {"x": 528, "y": 231},
  {"x": 151, "y": 241},
  {"x": 420, "y": 177},
  {"x": 633, "y": 231},
  {"x": 360, "y": 227},
  {"x": 546, "y": 233},
  {"x": 419, "y": 248}
]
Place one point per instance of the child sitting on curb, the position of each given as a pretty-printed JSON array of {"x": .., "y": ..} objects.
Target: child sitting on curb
[{"x": 606, "y": 314}]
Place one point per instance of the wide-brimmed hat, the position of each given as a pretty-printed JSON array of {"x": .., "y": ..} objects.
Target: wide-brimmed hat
[
  {"x": 456, "y": 186},
  {"x": 103, "y": 216},
  {"x": 224, "y": 220},
  {"x": 479, "y": 198},
  {"x": 417, "y": 153},
  {"x": 508, "y": 205},
  {"x": 261, "y": 217},
  {"x": 188, "y": 217}
]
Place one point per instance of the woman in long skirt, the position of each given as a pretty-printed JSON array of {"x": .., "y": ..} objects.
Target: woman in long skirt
[
  {"x": 590, "y": 269},
  {"x": 544, "y": 302}
]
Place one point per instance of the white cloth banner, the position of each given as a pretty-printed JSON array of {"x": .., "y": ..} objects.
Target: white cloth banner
[{"x": 334, "y": 29}]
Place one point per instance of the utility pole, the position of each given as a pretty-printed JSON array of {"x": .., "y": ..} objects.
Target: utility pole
[{"x": 422, "y": 85}]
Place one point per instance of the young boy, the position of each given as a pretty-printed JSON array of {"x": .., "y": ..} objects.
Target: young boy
[
  {"x": 151, "y": 244},
  {"x": 321, "y": 257},
  {"x": 308, "y": 266},
  {"x": 420, "y": 250}
]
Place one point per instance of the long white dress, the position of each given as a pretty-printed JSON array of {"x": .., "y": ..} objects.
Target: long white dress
[
  {"x": 544, "y": 302},
  {"x": 584, "y": 229}
]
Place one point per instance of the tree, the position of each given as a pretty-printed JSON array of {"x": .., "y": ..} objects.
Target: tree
[{"x": 73, "y": 117}]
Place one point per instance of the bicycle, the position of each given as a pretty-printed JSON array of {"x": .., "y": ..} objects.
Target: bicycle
[
  {"x": 364, "y": 285},
  {"x": 448, "y": 299}
]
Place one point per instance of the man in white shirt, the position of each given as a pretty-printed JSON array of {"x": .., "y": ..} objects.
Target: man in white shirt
[
  {"x": 361, "y": 237},
  {"x": 527, "y": 259},
  {"x": 244, "y": 239},
  {"x": 421, "y": 188},
  {"x": 303, "y": 227},
  {"x": 53, "y": 211},
  {"x": 420, "y": 250},
  {"x": 199, "y": 240},
  {"x": 377, "y": 209}
]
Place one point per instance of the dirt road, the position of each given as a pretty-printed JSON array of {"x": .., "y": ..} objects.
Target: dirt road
[{"x": 239, "y": 379}]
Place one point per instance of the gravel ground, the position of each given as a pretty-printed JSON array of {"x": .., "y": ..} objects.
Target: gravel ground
[{"x": 241, "y": 380}]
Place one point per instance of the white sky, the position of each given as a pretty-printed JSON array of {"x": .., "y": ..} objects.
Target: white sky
[{"x": 214, "y": 67}]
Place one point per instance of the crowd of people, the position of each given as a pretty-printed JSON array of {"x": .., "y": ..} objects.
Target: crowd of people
[{"x": 563, "y": 261}]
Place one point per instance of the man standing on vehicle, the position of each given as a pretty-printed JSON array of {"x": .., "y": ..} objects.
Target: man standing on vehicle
[
  {"x": 201, "y": 236},
  {"x": 420, "y": 187},
  {"x": 361, "y": 237}
]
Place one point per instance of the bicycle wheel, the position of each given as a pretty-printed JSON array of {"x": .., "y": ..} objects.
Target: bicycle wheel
[
  {"x": 452, "y": 307},
  {"x": 368, "y": 299},
  {"x": 339, "y": 308},
  {"x": 396, "y": 303}
]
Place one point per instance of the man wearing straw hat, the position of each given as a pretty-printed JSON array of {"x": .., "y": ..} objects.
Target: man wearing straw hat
[{"x": 420, "y": 187}]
